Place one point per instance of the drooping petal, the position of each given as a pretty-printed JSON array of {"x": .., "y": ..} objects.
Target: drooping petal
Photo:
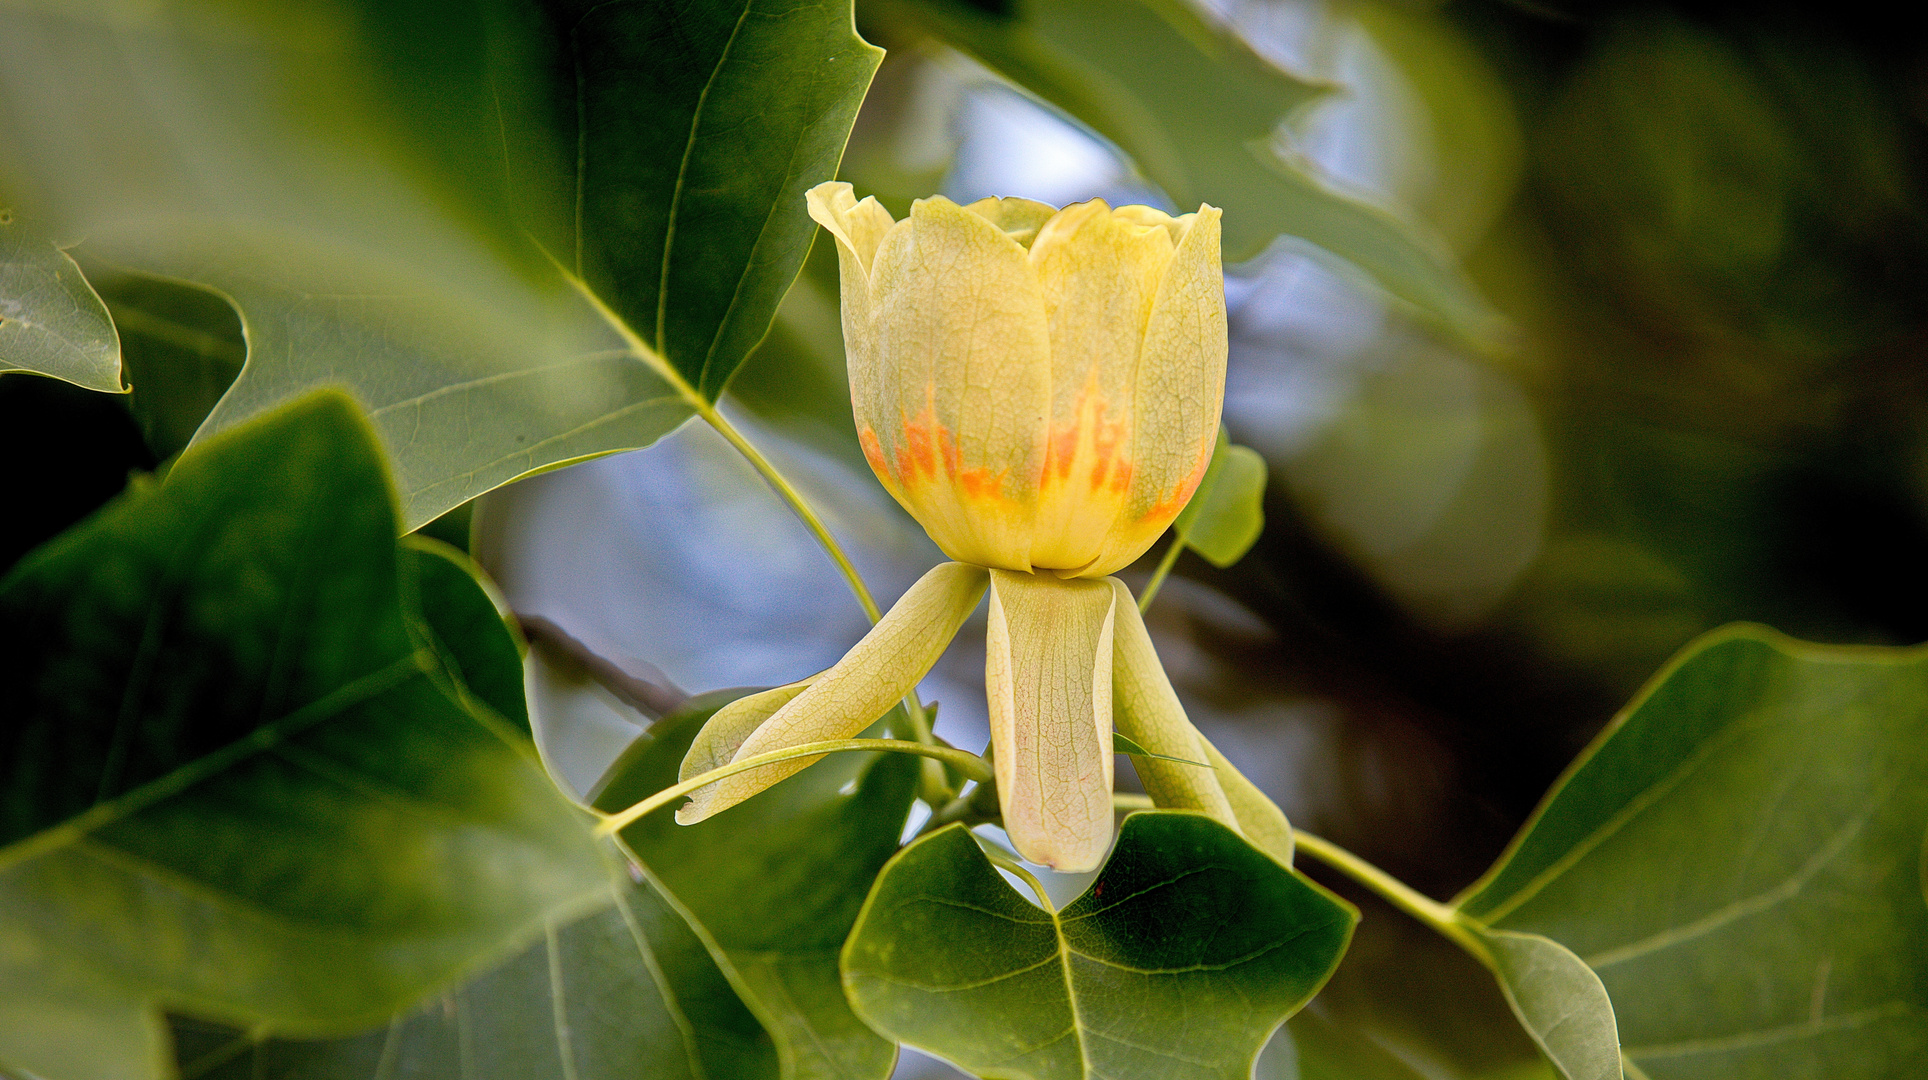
[
  {"x": 955, "y": 427},
  {"x": 871, "y": 677},
  {"x": 723, "y": 733},
  {"x": 1180, "y": 385},
  {"x": 1148, "y": 712},
  {"x": 1047, "y": 675},
  {"x": 1259, "y": 818},
  {"x": 1100, "y": 273}
]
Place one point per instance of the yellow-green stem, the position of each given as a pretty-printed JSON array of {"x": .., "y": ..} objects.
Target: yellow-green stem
[
  {"x": 967, "y": 763},
  {"x": 1441, "y": 917},
  {"x": 1159, "y": 575},
  {"x": 705, "y": 408},
  {"x": 1012, "y": 866}
]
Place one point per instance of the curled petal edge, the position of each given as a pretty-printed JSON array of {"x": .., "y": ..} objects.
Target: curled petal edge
[{"x": 877, "y": 672}]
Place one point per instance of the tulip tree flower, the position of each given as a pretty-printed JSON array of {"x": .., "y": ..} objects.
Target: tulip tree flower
[{"x": 1040, "y": 389}]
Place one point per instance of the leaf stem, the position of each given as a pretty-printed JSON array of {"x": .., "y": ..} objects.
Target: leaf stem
[
  {"x": 1164, "y": 570},
  {"x": 1017, "y": 869},
  {"x": 964, "y": 761},
  {"x": 705, "y": 408},
  {"x": 1443, "y": 918}
]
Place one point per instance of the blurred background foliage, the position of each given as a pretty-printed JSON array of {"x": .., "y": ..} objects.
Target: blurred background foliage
[{"x": 1683, "y": 385}]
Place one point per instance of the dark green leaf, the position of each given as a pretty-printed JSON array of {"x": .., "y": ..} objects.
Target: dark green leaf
[
  {"x": 464, "y": 626},
  {"x": 1227, "y": 513},
  {"x": 51, "y": 322},
  {"x": 629, "y": 993},
  {"x": 1739, "y": 858},
  {"x": 1186, "y": 953},
  {"x": 778, "y": 881},
  {"x": 1197, "y": 110},
  {"x": 696, "y": 129},
  {"x": 234, "y": 785},
  {"x": 183, "y": 348}
]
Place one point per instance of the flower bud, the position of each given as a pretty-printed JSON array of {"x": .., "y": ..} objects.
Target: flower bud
[{"x": 1040, "y": 388}]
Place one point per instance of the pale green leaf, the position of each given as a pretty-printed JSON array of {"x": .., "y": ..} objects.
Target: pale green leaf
[
  {"x": 777, "y": 882},
  {"x": 51, "y": 322},
  {"x": 234, "y": 782},
  {"x": 1560, "y": 1002},
  {"x": 1227, "y": 512},
  {"x": 1185, "y": 954},
  {"x": 1739, "y": 859}
]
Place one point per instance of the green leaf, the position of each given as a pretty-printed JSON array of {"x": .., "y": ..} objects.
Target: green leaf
[
  {"x": 51, "y": 322},
  {"x": 409, "y": 191},
  {"x": 777, "y": 881},
  {"x": 628, "y": 993},
  {"x": 233, "y": 784},
  {"x": 1227, "y": 512},
  {"x": 702, "y": 125},
  {"x": 463, "y": 623},
  {"x": 471, "y": 376},
  {"x": 1739, "y": 859},
  {"x": 1187, "y": 952},
  {"x": 1560, "y": 1001},
  {"x": 1197, "y": 110},
  {"x": 183, "y": 348}
]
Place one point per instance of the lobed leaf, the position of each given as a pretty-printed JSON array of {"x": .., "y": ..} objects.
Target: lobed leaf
[
  {"x": 1187, "y": 952},
  {"x": 235, "y": 783},
  {"x": 1739, "y": 861},
  {"x": 520, "y": 233},
  {"x": 777, "y": 882},
  {"x": 628, "y": 992}
]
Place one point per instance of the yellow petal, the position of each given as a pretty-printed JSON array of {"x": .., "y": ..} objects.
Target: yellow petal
[
  {"x": 871, "y": 677},
  {"x": 1047, "y": 675},
  {"x": 1148, "y": 713},
  {"x": 1100, "y": 273},
  {"x": 1179, "y": 386},
  {"x": 1020, "y": 219},
  {"x": 954, "y": 423},
  {"x": 859, "y": 229},
  {"x": 858, "y": 226}
]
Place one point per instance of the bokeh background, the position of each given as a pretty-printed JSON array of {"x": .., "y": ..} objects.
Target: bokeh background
[{"x": 1704, "y": 226}]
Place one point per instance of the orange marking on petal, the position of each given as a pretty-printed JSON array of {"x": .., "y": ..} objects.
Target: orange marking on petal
[
  {"x": 1168, "y": 507},
  {"x": 917, "y": 438},
  {"x": 1121, "y": 476},
  {"x": 1064, "y": 447},
  {"x": 873, "y": 451},
  {"x": 947, "y": 446},
  {"x": 981, "y": 483}
]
